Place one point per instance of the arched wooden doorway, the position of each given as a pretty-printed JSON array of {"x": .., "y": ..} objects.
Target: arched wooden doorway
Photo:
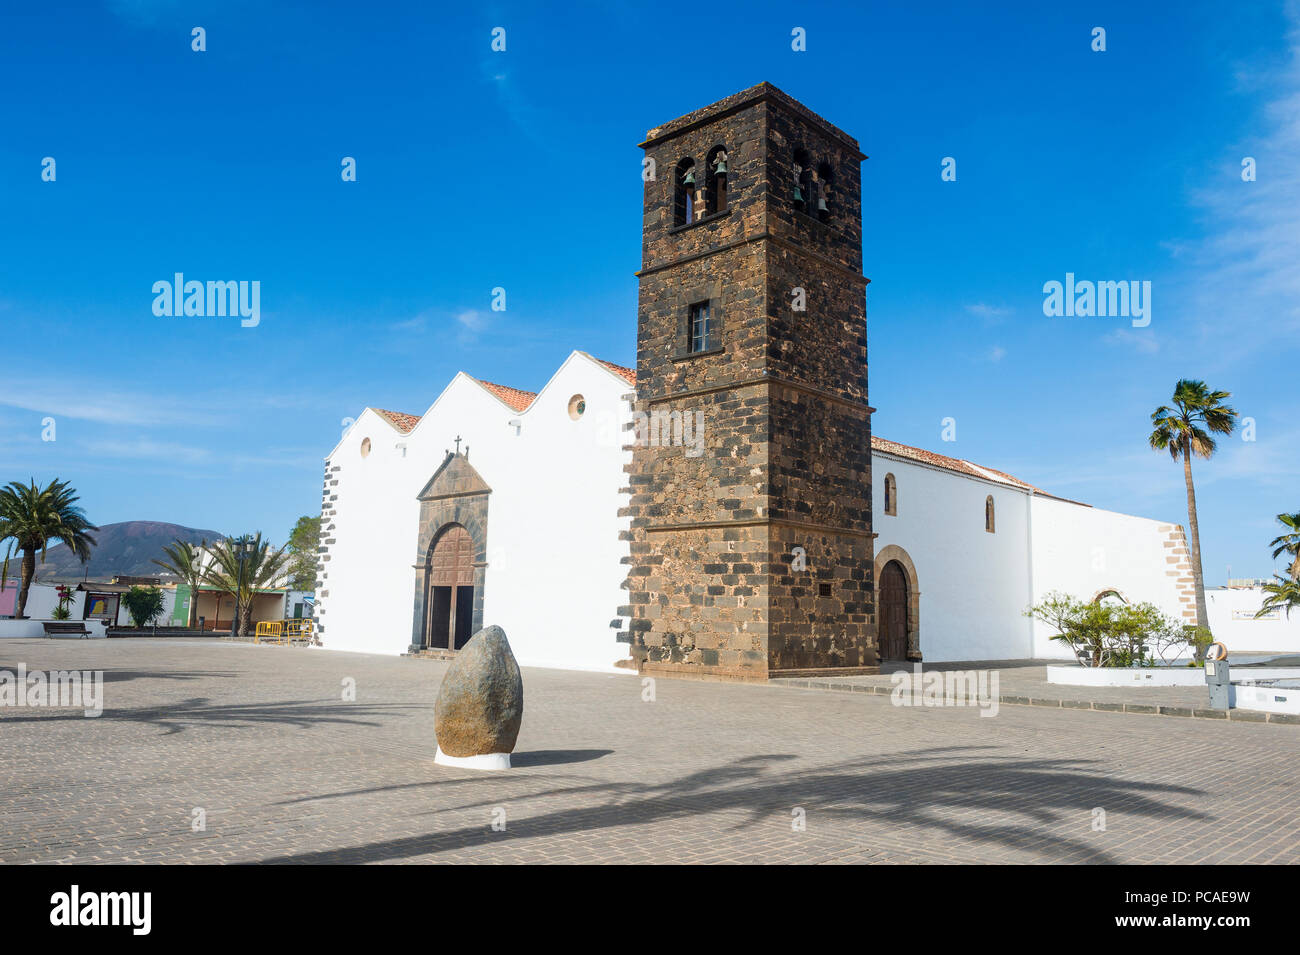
[
  {"x": 893, "y": 612},
  {"x": 449, "y": 598}
]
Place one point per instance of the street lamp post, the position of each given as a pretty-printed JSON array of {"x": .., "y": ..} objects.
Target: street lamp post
[{"x": 242, "y": 547}]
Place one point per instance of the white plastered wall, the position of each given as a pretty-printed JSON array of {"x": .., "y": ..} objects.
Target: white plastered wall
[
  {"x": 974, "y": 585},
  {"x": 554, "y": 573}
]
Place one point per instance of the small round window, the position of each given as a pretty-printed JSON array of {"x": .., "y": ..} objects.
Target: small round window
[
  {"x": 365, "y": 447},
  {"x": 577, "y": 407}
]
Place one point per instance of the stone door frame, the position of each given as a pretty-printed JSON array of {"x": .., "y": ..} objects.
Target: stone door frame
[
  {"x": 892, "y": 552},
  {"x": 456, "y": 494}
]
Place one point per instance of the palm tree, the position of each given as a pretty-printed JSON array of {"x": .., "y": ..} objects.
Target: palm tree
[
  {"x": 30, "y": 517},
  {"x": 262, "y": 569},
  {"x": 144, "y": 604},
  {"x": 1288, "y": 543},
  {"x": 1283, "y": 595},
  {"x": 1184, "y": 430},
  {"x": 186, "y": 562}
]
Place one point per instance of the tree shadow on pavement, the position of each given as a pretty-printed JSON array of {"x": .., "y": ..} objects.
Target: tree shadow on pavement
[
  {"x": 200, "y": 711},
  {"x": 1009, "y": 803}
]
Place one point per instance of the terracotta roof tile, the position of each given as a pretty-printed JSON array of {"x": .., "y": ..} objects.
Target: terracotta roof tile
[
  {"x": 627, "y": 374},
  {"x": 968, "y": 468},
  {"x": 519, "y": 400},
  {"x": 402, "y": 422}
]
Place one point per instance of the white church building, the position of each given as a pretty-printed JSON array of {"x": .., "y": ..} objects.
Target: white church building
[{"x": 501, "y": 506}]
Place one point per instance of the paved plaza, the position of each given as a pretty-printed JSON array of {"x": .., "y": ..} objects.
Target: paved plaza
[{"x": 284, "y": 769}]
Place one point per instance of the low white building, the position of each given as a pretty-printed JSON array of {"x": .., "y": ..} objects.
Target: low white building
[
  {"x": 1232, "y": 618},
  {"x": 979, "y": 547},
  {"x": 500, "y": 506}
]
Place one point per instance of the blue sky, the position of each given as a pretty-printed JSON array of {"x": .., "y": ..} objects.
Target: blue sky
[{"x": 225, "y": 165}]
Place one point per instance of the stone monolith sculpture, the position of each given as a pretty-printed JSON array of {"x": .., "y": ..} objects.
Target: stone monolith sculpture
[{"x": 480, "y": 704}]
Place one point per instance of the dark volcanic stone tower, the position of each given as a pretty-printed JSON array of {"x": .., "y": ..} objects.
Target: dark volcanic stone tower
[{"x": 750, "y": 544}]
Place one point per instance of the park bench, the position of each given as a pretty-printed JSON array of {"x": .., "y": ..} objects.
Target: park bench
[{"x": 65, "y": 628}]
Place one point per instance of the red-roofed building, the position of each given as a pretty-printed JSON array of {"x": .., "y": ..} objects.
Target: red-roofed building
[
  {"x": 536, "y": 479},
  {"x": 723, "y": 511}
]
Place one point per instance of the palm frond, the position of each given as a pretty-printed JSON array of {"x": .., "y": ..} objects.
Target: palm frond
[
  {"x": 1189, "y": 424},
  {"x": 31, "y": 517},
  {"x": 1282, "y": 595}
]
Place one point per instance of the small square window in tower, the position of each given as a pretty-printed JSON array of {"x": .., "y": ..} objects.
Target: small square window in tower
[{"x": 701, "y": 327}]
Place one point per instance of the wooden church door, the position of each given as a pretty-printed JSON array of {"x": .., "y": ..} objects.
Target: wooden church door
[
  {"x": 893, "y": 612},
  {"x": 450, "y": 599}
]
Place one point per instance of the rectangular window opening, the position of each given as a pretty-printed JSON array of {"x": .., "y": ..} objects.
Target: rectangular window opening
[{"x": 701, "y": 327}]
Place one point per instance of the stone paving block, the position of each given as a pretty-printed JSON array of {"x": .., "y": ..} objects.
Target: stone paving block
[{"x": 286, "y": 770}]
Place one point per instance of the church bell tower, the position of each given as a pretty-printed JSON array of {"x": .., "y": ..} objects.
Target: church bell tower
[{"x": 750, "y": 542}]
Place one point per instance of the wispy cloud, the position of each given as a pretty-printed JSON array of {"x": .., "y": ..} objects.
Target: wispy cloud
[
  {"x": 1248, "y": 277},
  {"x": 416, "y": 324},
  {"x": 988, "y": 312},
  {"x": 1144, "y": 342},
  {"x": 217, "y": 455},
  {"x": 1269, "y": 460},
  {"x": 1146, "y": 474},
  {"x": 467, "y": 324},
  {"x": 90, "y": 401},
  {"x": 472, "y": 322},
  {"x": 138, "y": 448},
  {"x": 526, "y": 117}
]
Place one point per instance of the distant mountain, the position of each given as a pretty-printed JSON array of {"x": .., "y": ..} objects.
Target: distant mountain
[{"x": 120, "y": 549}]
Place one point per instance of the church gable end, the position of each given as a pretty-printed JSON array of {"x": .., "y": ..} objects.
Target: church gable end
[{"x": 455, "y": 476}]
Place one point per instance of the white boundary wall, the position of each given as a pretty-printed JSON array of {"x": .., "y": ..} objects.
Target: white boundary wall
[
  {"x": 1231, "y": 620},
  {"x": 975, "y": 586},
  {"x": 1083, "y": 551}
]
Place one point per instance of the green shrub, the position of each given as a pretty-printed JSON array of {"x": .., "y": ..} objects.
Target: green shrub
[
  {"x": 143, "y": 604},
  {"x": 1103, "y": 635},
  {"x": 1199, "y": 639}
]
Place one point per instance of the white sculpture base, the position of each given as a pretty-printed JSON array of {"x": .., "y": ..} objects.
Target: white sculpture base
[{"x": 485, "y": 761}]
